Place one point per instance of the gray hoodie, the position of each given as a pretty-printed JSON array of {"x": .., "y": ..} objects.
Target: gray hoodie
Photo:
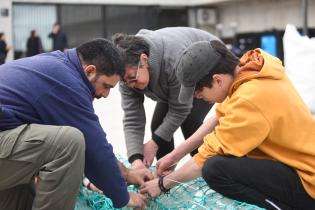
[{"x": 165, "y": 45}]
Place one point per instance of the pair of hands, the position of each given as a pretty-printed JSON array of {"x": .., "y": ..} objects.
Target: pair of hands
[
  {"x": 134, "y": 177},
  {"x": 149, "y": 153},
  {"x": 163, "y": 167},
  {"x": 150, "y": 187},
  {"x": 140, "y": 175}
]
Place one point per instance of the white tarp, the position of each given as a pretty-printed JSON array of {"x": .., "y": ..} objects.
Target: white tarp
[{"x": 299, "y": 60}]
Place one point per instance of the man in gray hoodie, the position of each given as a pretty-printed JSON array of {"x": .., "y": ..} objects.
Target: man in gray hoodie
[{"x": 150, "y": 58}]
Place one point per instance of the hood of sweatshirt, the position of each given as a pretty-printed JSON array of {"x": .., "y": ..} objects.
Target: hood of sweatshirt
[{"x": 257, "y": 64}]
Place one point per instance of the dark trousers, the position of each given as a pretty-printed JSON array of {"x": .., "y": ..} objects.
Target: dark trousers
[
  {"x": 2, "y": 58},
  {"x": 265, "y": 183},
  {"x": 189, "y": 126}
]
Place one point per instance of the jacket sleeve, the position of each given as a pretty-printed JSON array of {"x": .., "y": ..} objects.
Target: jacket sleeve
[
  {"x": 241, "y": 129},
  {"x": 74, "y": 108},
  {"x": 134, "y": 119},
  {"x": 176, "y": 114},
  {"x": 64, "y": 40},
  {"x": 51, "y": 35}
]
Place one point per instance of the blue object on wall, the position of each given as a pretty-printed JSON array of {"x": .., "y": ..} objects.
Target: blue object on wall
[{"x": 269, "y": 44}]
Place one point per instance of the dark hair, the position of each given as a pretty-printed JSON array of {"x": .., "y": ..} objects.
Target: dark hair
[
  {"x": 33, "y": 33},
  {"x": 103, "y": 54},
  {"x": 131, "y": 47},
  {"x": 226, "y": 65},
  {"x": 1, "y": 34}
]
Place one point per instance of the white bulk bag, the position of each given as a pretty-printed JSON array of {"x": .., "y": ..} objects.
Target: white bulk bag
[{"x": 299, "y": 60}]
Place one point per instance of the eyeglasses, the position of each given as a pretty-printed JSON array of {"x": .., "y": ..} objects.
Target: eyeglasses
[{"x": 131, "y": 80}]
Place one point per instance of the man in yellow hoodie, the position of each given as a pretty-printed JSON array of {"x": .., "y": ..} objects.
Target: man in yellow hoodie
[{"x": 260, "y": 146}]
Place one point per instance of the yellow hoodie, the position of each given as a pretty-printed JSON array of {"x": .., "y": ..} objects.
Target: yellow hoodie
[{"x": 264, "y": 117}]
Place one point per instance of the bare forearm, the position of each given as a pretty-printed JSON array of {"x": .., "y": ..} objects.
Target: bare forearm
[
  {"x": 195, "y": 140},
  {"x": 187, "y": 172}
]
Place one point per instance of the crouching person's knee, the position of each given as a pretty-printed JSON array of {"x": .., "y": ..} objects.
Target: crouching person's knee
[
  {"x": 62, "y": 173},
  {"x": 212, "y": 171},
  {"x": 73, "y": 141}
]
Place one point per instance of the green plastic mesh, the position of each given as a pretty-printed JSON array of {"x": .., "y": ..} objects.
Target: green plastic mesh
[{"x": 193, "y": 195}]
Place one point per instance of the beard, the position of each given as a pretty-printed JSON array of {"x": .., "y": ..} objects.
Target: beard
[{"x": 93, "y": 82}]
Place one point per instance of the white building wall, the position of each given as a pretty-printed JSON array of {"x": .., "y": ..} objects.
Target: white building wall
[
  {"x": 258, "y": 15},
  {"x": 233, "y": 15},
  {"x": 40, "y": 19},
  {"x": 131, "y": 2}
]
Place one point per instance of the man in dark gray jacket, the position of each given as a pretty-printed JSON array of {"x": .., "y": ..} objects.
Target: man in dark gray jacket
[{"x": 150, "y": 58}]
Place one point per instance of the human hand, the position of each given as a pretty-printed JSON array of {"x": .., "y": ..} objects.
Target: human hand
[
  {"x": 151, "y": 188},
  {"x": 137, "y": 200},
  {"x": 149, "y": 152},
  {"x": 137, "y": 164},
  {"x": 139, "y": 176},
  {"x": 93, "y": 188},
  {"x": 166, "y": 164}
]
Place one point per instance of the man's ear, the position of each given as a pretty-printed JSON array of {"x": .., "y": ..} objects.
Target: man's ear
[
  {"x": 217, "y": 78},
  {"x": 89, "y": 70},
  {"x": 143, "y": 58}
]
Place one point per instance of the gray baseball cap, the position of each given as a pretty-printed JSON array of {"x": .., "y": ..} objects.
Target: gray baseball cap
[{"x": 192, "y": 65}]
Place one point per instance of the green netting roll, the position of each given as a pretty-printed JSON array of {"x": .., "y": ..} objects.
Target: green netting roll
[{"x": 193, "y": 195}]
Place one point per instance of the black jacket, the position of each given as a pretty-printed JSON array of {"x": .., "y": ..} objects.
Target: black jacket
[{"x": 33, "y": 46}]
